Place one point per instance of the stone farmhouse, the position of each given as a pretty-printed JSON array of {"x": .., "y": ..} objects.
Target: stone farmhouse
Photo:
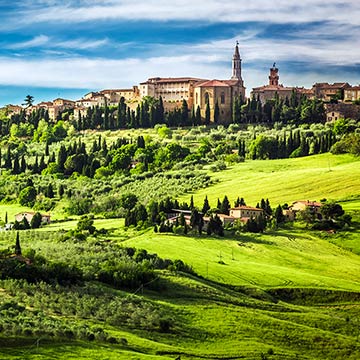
[
  {"x": 240, "y": 213},
  {"x": 302, "y": 205},
  {"x": 45, "y": 219}
]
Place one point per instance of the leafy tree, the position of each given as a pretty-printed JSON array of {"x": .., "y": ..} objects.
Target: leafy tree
[
  {"x": 331, "y": 210},
  {"x": 36, "y": 221},
  {"x": 27, "y": 196},
  {"x": 86, "y": 223},
  {"x": 279, "y": 216},
  {"x": 28, "y": 101},
  {"x": 128, "y": 201}
]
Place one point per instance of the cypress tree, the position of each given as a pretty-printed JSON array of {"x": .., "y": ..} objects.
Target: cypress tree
[
  {"x": 225, "y": 206},
  {"x": 62, "y": 155},
  {"x": 61, "y": 190},
  {"x": 47, "y": 149},
  {"x": 184, "y": 113},
  {"x": 23, "y": 165},
  {"x": 7, "y": 164},
  {"x": 6, "y": 217},
  {"x": 218, "y": 204},
  {"x": 198, "y": 116},
  {"x": 206, "y": 206},
  {"x": 17, "y": 244},
  {"x": 16, "y": 165},
  {"x": 216, "y": 112},
  {"x": 207, "y": 112},
  {"x": 50, "y": 191},
  {"x": 192, "y": 202}
]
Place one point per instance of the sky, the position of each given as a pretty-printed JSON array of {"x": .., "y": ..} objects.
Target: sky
[{"x": 66, "y": 48}]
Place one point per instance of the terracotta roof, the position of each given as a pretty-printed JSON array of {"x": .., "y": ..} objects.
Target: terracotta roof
[
  {"x": 64, "y": 100},
  {"x": 158, "y": 80},
  {"x": 274, "y": 88},
  {"x": 308, "y": 203},
  {"x": 215, "y": 82},
  {"x": 353, "y": 88},
  {"x": 246, "y": 208},
  {"x": 225, "y": 216},
  {"x": 332, "y": 86},
  {"x": 31, "y": 213},
  {"x": 108, "y": 91}
]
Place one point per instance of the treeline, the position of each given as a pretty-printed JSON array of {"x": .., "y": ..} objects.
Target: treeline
[
  {"x": 198, "y": 219},
  {"x": 293, "y": 110},
  {"x": 146, "y": 115},
  {"x": 125, "y": 268},
  {"x": 291, "y": 144}
]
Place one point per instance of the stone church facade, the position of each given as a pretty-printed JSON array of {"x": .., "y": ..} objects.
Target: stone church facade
[
  {"x": 221, "y": 92},
  {"x": 197, "y": 92}
]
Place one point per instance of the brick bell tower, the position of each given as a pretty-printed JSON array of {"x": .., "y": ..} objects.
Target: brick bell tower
[
  {"x": 274, "y": 76},
  {"x": 236, "y": 65}
]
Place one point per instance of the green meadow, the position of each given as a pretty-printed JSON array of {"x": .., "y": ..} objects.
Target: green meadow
[
  {"x": 282, "y": 181},
  {"x": 290, "y": 293}
]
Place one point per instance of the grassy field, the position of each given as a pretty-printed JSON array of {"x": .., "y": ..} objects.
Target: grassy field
[
  {"x": 286, "y": 180},
  {"x": 286, "y": 294},
  {"x": 285, "y": 258}
]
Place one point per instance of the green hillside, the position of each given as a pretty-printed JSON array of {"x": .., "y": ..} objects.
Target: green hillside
[
  {"x": 290, "y": 293},
  {"x": 286, "y": 180}
]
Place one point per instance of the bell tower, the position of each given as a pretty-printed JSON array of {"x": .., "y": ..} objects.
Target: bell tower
[
  {"x": 274, "y": 76},
  {"x": 236, "y": 64}
]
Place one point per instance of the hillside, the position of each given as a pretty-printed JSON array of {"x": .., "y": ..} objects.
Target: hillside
[{"x": 282, "y": 181}]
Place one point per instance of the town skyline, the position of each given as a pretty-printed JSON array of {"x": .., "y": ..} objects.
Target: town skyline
[{"x": 50, "y": 49}]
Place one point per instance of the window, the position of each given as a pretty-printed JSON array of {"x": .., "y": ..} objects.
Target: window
[
  {"x": 222, "y": 98},
  {"x": 207, "y": 98}
]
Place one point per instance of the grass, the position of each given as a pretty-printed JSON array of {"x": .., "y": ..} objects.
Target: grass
[
  {"x": 286, "y": 180},
  {"x": 287, "y": 294},
  {"x": 263, "y": 261}
]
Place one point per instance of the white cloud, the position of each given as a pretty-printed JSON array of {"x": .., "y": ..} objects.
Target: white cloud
[
  {"x": 49, "y": 43},
  {"x": 35, "y": 42},
  {"x": 279, "y": 11}
]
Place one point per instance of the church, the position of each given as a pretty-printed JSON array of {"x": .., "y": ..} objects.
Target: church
[
  {"x": 221, "y": 92},
  {"x": 199, "y": 92}
]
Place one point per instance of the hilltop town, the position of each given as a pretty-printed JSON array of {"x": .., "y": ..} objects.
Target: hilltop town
[{"x": 217, "y": 97}]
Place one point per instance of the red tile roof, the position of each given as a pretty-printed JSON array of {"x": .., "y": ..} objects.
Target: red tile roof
[
  {"x": 213, "y": 83},
  {"x": 246, "y": 208}
]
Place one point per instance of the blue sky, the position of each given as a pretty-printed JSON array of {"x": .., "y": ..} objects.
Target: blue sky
[{"x": 51, "y": 48}]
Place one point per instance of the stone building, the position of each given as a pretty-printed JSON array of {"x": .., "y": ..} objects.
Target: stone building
[
  {"x": 352, "y": 93},
  {"x": 327, "y": 92},
  {"x": 221, "y": 92},
  {"x": 268, "y": 92},
  {"x": 171, "y": 90},
  {"x": 342, "y": 110}
]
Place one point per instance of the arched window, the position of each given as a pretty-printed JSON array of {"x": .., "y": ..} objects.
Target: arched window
[
  {"x": 207, "y": 98},
  {"x": 222, "y": 98}
]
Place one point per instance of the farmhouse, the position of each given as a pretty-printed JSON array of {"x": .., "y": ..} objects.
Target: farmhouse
[
  {"x": 45, "y": 219},
  {"x": 302, "y": 205}
]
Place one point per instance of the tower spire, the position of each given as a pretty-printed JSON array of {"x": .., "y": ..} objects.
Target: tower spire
[
  {"x": 274, "y": 76},
  {"x": 236, "y": 64}
]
